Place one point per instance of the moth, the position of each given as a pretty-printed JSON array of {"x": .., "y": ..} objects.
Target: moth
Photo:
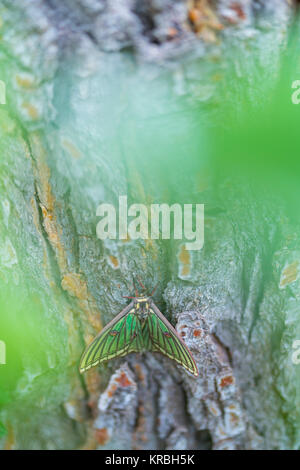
[{"x": 138, "y": 328}]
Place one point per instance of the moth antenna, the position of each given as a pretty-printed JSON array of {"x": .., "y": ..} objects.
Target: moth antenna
[
  {"x": 152, "y": 293},
  {"x": 136, "y": 291},
  {"x": 141, "y": 284},
  {"x": 127, "y": 297}
]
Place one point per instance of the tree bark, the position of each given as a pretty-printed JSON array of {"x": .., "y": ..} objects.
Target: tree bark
[{"x": 110, "y": 98}]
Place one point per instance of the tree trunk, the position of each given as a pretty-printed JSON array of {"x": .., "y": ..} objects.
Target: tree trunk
[{"x": 111, "y": 98}]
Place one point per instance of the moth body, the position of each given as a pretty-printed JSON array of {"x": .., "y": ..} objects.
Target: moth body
[{"x": 142, "y": 307}]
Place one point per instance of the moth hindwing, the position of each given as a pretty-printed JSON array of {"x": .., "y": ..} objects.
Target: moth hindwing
[
  {"x": 165, "y": 339},
  {"x": 139, "y": 327}
]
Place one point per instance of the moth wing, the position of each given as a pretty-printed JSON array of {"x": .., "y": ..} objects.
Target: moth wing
[
  {"x": 119, "y": 337},
  {"x": 165, "y": 339}
]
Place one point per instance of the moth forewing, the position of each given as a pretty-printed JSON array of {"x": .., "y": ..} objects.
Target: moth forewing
[
  {"x": 181, "y": 353},
  {"x": 85, "y": 361}
]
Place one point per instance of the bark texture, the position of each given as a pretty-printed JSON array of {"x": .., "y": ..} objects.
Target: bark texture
[{"x": 91, "y": 85}]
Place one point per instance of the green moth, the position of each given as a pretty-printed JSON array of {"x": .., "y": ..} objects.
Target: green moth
[{"x": 138, "y": 328}]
